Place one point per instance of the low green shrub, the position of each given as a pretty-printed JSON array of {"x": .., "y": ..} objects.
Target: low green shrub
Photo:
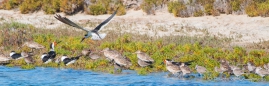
[
  {"x": 263, "y": 9},
  {"x": 235, "y": 5},
  {"x": 97, "y": 9},
  {"x": 51, "y": 6},
  {"x": 251, "y": 10},
  {"x": 10, "y": 4},
  {"x": 209, "y": 9},
  {"x": 29, "y": 6},
  {"x": 71, "y": 6},
  {"x": 149, "y": 6},
  {"x": 176, "y": 8}
]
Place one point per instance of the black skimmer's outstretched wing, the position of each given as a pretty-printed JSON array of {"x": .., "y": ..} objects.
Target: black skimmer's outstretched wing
[
  {"x": 104, "y": 23},
  {"x": 68, "y": 22}
]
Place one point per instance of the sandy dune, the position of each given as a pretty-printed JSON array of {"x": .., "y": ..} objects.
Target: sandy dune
[{"x": 242, "y": 28}]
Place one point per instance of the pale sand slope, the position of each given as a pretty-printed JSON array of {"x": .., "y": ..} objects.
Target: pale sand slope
[{"x": 242, "y": 28}]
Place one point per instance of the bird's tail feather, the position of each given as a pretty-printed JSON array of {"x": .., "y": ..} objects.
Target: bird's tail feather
[{"x": 96, "y": 37}]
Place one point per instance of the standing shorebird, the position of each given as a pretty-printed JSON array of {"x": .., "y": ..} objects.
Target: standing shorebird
[
  {"x": 89, "y": 53},
  {"x": 261, "y": 72},
  {"x": 4, "y": 59},
  {"x": 86, "y": 52},
  {"x": 185, "y": 69},
  {"x": 173, "y": 68},
  {"x": 111, "y": 54},
  {"x": 218, "y": 70},
  {"x": 122, "y": 61},
  {"x": 237, "y": 71},
  {"x": 90, "y": 33},
  {"x": 27, "y": 58},
  {"x": 71, "y": 60},
  {"x": 225, "y": 67},
  {"x": 143, "y": 63},
  {"x": 143, "y": 59},
  {"x": 200, "y": 69},
  {"x": 143, "y": 56},
  {"x": 33, "y": 45},
  {"x": 250, "y": 67}
]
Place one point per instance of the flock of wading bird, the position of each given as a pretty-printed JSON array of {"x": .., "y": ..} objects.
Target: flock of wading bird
[{"x": 120, "y": 61}]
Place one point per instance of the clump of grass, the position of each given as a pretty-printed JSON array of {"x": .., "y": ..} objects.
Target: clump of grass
[
  {"x": 28, "y": 67},
  {"x": 142, "y": 71},
  {"x": 29, "y": 6},
  {"x": 10, "y": 4},
  {"x": 176, "y": 8},
  {"x": 206, "y": 51}
]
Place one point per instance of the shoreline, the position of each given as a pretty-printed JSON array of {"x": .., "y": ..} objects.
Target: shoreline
[{"x": 242, "y": 29}]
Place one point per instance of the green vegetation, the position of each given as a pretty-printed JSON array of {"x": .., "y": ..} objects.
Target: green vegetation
[
  {"x": 97, "y": 9},
  {"x": 51, "y": 6},
  {"x": 10, "y": 4},
  {"x": 179, "y": 8},
  {"x": 206, "y": 51},
  {"x": 149, "y": 6},
  {"x": 176, "y": 8},
  {"x": 71, "y": 6},
  {"x": 260, "y": 8},
  {"x": 29, "y": 6}
]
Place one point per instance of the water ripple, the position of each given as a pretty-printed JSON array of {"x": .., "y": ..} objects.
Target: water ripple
[{"x": 57, "y": 76}]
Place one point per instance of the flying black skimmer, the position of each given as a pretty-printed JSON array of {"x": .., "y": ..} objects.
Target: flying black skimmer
[
  {"x": 33, "y": 45},
  {"x": 89, "y": 53},
  {"x": 90, "y": 33},
  {"x": 200, "y": 69},
  {"x": 251, "y": 67},
  {"x": 15, "y": 55},
  {"x": 111, "y": 54},
  {"x": 261, "y": 72},
  {"x": 71, "y": 60}
]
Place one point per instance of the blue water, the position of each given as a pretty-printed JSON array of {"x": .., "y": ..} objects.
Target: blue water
[{"x": 15, "y": 76}]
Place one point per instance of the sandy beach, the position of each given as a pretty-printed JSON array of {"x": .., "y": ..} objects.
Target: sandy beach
[{"x": 241, "y": 28}]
